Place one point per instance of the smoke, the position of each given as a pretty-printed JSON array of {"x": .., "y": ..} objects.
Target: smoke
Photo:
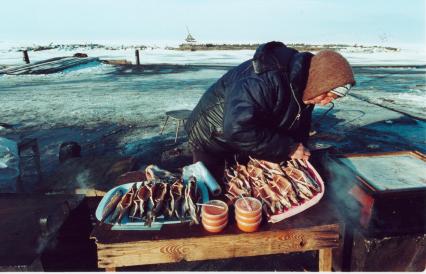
[
  {"x": 83, "y": 178},
  {"x": 49, "y": 227},
  {"x": 340, "y": 181}
]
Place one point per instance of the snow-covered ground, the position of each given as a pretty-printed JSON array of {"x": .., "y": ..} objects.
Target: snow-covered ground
[
  {"x": 90, "y": 96},
  {"x": 93, "y": 100},
  {"x": 100, "y": 93}
]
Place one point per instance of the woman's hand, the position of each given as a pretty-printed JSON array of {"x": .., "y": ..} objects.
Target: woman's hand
[{"x": 300, "y": 152}]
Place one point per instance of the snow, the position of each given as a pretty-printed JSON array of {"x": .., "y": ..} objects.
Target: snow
[
  {"x": 92, "y": 96},
  {"x": 154, "y": 54},
  {"x": 147, "y": 56},
  {"x": 79, "y": 96}
]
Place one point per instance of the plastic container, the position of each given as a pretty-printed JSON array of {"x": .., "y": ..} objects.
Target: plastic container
[
  {"x": 248, "y": 207},
  {"x": 214, "y": 218},
  {"x": 214, "y": 229},
  {"x": 214, "y": 222},
  {"x": 249, "y": 227},
  {"x": 249, "y": 220},
  {"x": 214, "y": 213}
]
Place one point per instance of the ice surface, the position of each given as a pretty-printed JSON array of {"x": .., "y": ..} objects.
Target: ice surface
[{"x": 400, "y": 88}]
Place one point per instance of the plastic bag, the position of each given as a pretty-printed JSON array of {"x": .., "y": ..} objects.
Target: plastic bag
[{"x": 203, "y": 175}]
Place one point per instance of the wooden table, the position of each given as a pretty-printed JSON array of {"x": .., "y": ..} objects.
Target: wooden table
[{"x": 318, "y": 228}]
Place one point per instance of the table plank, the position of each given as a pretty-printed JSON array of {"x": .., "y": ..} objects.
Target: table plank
[{"x": 217, "y": 246}]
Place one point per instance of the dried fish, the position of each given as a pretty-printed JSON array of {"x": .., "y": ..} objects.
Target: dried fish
[
  {"x": 143, "y": 194},
  {"x": 159, "y": 201},
  {"x": 111, "y": 205},
  {"x": 154, "y": 172},
  {"x": 163, "y": 194},
  {"x": 192, "y": 197},
  {"x": 124, "y": 205},
  {"x": 278, "y": 187},
  {"x": 177, "y": 193}
]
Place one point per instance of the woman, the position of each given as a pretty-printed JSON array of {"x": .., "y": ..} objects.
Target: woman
[{"x": 263, "y": 107}]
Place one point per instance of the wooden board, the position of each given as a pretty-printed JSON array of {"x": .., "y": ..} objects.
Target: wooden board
[
  {"x": 28, "y": 223},
  {"x": 217, "y": 247},
  {"x": 316, "y": 228}
]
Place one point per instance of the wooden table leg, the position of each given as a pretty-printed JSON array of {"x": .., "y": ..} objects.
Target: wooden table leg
[{"x": 325, "y": 260}]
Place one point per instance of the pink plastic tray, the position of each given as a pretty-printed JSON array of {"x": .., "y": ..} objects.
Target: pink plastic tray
[{"x": 307, "y": 204}]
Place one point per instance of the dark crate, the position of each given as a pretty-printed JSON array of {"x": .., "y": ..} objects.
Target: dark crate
[{"x": 375, "y": 208}]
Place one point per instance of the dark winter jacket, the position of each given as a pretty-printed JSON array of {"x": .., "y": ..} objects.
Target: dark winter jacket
[{"x": 256, "y": 108}]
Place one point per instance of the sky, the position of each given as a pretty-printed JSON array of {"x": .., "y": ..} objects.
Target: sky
[{"x": 369, "y": 22}]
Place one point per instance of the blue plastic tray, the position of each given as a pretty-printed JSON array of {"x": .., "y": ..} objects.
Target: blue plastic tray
[{"x": 126, "y": 224}]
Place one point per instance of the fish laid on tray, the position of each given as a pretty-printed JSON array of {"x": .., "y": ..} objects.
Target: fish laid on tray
[
  {"x": 163, "y": 194},
  {"x": 279, "y": 187}
]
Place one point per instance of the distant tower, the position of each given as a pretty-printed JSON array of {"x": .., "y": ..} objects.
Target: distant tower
[{"x": 190, "y": 39}]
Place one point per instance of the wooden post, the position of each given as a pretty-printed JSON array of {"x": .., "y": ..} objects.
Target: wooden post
[
  {"x": 26, "y": 58},
  {"x": 137, "y": 57}
]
